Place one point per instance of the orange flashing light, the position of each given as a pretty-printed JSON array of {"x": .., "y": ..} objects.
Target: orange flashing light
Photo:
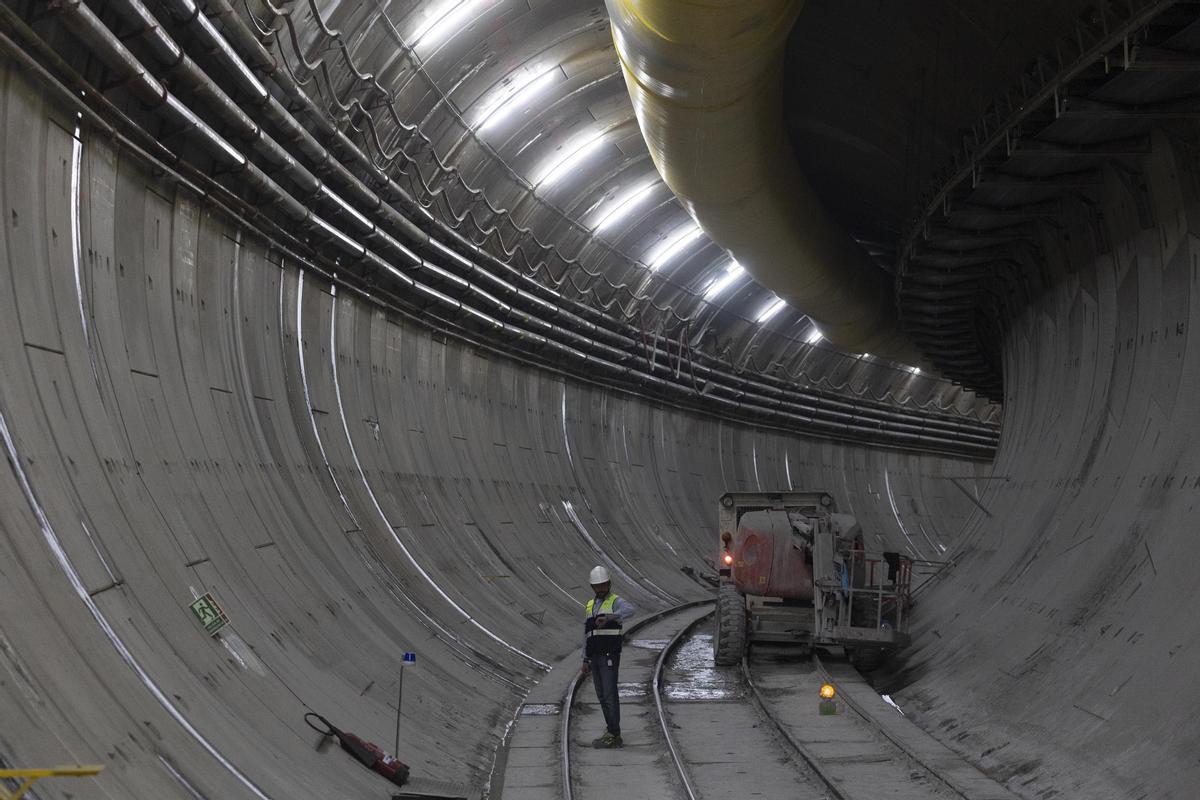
[
  {"x": 827, "y": 691},
  {"x": 728, "y": 558}
]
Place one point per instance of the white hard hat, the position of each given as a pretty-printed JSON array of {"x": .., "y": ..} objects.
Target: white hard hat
[{"x": 598, "y": 575}]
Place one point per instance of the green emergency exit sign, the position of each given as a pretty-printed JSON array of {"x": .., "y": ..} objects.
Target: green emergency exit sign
[{"x": 212, "y": 617}]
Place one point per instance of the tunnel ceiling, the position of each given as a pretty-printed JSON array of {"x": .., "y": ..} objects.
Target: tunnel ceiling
[
  {"x": 524, "y": 96},
  {"x": 877, "y": 95},
  {"x": 529, "y": 96},
  {"x": 477, "y": 164},
  {"x": 1078, "y": 121},
  {"x": 526, "y": 100},
  {"x": 494, "y": 139}
]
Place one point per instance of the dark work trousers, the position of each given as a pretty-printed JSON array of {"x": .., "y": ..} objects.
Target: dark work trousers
[{"x": 604, "y": 677}]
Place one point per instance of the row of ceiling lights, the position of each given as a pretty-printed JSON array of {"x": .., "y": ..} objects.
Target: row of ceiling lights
[{"x": 519, "y": 92}]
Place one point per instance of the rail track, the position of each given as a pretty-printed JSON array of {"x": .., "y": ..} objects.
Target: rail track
[
  {"x": 859, "y": 753},
  {"x": 641, "y": 662},
  {"x": 758, "y": 736}
]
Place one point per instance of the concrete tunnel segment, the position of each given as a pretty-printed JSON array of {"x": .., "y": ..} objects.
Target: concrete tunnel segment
[
  {"x": 184, "y": 411},
  {"x": 173, "y": 425}
]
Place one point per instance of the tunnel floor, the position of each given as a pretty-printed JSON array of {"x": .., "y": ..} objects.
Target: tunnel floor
[{"x": 694, "y": 730}]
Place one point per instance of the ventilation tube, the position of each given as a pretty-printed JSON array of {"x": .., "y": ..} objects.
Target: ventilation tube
[{"x": 706, "y": 80}]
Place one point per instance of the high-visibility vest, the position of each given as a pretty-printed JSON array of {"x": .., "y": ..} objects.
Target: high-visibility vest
[{"x": 605, "y": 640}]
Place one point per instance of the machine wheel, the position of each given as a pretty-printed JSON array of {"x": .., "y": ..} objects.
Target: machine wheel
[
  {"x": 867, "y": 659},
  {"x": 729, "y": 639}
]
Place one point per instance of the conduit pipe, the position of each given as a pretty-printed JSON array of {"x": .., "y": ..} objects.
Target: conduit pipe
[
  {"x": 372, "y": 205},
  {"x": 706, "y": 77},
  {"x": 465, "y": 252},
  {"x": 820, "y": 416}
]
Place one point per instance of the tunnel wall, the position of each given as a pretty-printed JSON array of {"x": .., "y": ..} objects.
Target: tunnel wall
[
  {"x": 184, "y": 411},
  {"x": 1062, "y": 651}
]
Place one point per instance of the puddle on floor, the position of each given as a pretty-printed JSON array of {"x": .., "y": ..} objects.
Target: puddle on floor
[
  {"x": 648, "y": 644},
  {"x": 631, "y": 691},
  {"x": 540, "y": 709},
  {"x": 691, "y": 674}
]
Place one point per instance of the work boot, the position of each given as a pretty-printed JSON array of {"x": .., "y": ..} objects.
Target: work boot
[{"x": 607, "y": 740}]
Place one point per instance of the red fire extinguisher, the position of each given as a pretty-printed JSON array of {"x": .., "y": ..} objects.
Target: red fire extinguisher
[{"x": 368, "y": 754}]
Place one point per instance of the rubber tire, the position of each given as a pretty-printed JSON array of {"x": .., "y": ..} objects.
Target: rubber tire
[
  {"x": 867, "y": 659},
  {"x": 729, "y": 638}
]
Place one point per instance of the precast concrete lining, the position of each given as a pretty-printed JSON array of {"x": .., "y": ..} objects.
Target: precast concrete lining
[
  {"x": 185, "y": 410},
  {"x": 1042, "y": 152},
  {"x": 1062, "y": 652}
]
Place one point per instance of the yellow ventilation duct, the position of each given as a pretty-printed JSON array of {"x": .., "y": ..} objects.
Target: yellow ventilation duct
[{"x": 706, "y": 81}]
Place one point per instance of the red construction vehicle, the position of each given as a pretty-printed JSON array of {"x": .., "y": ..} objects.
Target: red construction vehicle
[{"x": 793, "y": 570}]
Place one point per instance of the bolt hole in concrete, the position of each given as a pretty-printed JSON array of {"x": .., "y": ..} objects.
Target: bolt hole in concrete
[{"x": 691, "y": 674}]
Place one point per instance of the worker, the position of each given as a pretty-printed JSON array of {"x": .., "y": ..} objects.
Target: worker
[{"x": 606, "y": 614}]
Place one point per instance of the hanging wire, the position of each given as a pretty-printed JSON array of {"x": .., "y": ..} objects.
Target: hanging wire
[{"x": 432, "y": 193}]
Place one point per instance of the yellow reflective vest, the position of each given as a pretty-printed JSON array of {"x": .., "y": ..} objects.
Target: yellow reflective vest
[{"x": 604, "y": 640}]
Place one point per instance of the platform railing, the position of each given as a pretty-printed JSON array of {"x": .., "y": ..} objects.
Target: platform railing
[{"x": 867, "y": 574}]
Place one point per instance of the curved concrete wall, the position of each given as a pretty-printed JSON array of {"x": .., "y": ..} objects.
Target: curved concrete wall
[
  {"x": 184, "y": 413},
  {"x": 1062, "y": 652}
]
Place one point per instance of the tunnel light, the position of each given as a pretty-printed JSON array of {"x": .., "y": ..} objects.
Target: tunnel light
[
  {"x": 769, "y": 310},
  {"x": 517, "y": 94},
  {"x": 721, "y": 283},
  {"x": 826, "y": 706},
  {"x": 444, "y": 20},
  {"x": 814, "y": 335},
  {"x": 622, "y": 207},
  {"x": 568, "y": 159},
  {"x": 674, "y": 245}
]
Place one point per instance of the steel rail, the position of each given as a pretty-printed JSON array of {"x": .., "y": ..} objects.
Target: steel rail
[
  {"x": 573, "y": 687},
  {"x": 656, "y": 686},
  {"x": 814, "y": 763},
  {"x": 900, "y": 745}
]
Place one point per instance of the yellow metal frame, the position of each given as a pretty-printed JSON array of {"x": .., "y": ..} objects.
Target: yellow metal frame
[{"x": 32, "y": 776}]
